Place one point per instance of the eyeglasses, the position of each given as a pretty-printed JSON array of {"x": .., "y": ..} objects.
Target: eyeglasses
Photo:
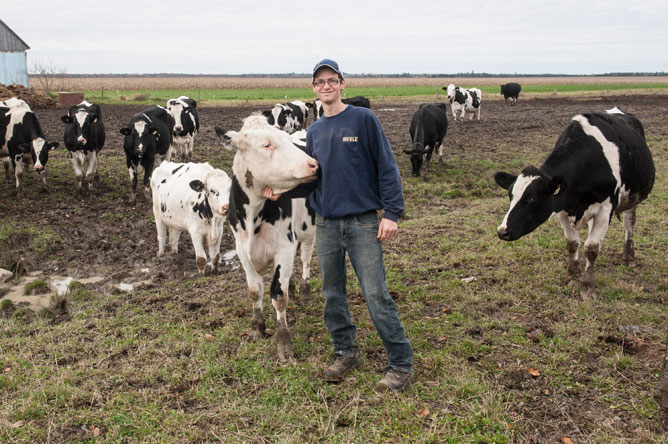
[{"x": 331, "y": 82}]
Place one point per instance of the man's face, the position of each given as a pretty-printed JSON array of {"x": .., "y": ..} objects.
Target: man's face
[{"x": 329, "y": 92}]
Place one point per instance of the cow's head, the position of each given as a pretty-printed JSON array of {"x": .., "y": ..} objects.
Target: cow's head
[
  {"x": 82, "y": 117},
  {"x": 216, "y": 185},
  {"x": 267, "y": 157},
  {"x": 531, "y": 201},
  {"x": 182, "y": 110},
  {"x": 140, "y": 138},
  {"x": 451, "y": 89},
  {"x": 40, "y": 153},
  {"x": 417, "y": 157},
  {"x": 278, "y": 116}
]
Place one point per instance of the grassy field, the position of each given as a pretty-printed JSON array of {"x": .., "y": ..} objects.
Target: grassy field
[
  {"x": 504, "y": 352},
  {"x": 216, "y": 91}
]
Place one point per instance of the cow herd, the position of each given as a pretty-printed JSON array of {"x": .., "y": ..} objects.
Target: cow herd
[{"x": 600, "y": 166}]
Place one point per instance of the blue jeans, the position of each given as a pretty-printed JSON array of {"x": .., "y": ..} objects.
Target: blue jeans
[{"x": 358, "y": 236}]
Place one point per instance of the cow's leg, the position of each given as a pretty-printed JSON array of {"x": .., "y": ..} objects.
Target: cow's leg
[
  {"x": 478, "y": 112},
  {"x": 306, "y": 253},
  {"x": 44, "y": 176},
  {"x": 18, "y": 172},
  {"x": 598, "y": 226},
  {"x": 91, "y": 171},
  {"x": 161, "y": 228},
  {"x": 189, "y": 149},
  {"x": 428, "y": 152},
  {"x": 148, "y": 170},
  {"x": 132, "y": 169},
  {"x": 77, "y": 165},
  {"x": 283, "y": 266},
  {"x": 214, "y": 239},
  {"x": 629, "y": 223},
  {"x": 572, "y": 246},
  {"x": 255, "y": 293},
  {"x": 198, "y": 239},
  {"x": 174, "y": 235},
  {"x": 440, "y": 152},
  {"x": 5, "y": 163}
]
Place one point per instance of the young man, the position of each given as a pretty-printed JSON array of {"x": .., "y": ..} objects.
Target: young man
[{"x": 359, "y": 177}]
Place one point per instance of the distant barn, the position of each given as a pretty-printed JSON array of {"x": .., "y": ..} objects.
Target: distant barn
[{"x": 13, "y": 57}]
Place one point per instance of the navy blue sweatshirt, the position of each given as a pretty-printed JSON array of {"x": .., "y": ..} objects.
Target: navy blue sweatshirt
[{"x": 358, "y": 172}]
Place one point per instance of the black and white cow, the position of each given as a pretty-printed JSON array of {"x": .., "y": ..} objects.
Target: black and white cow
[
  {"x": 289, "y": 117},
  {"x": 22, "y": 140},
  {"x": 316, "y": 109},
  {"x": 428, "y": 127},
  {"x": 186, "y": 125},
  {"x": 268, "y": 232},
  {"x": 15, "y": 103},
  {"x": 84, "y": 138},
  {"x": 464, "y": 101},
  {"x": 600, "y": 166},
  {"x": 147, "y": 136},
  {"x": 511, "y": 90},
  {"x": 192, "y": 197},
  {"x": 360, "y": 101}
]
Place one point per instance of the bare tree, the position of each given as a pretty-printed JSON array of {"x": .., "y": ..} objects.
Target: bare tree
[{"x": 49, "y": 75}]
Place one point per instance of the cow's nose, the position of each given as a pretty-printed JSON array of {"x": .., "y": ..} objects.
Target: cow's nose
[
  {"x": 313, "y": 164},
  {"x": 225, "y": 208},
  {"x": 38, "y": 168},
  {"x": 503, "y": 233},
  {"x": 177, "y": 129}
]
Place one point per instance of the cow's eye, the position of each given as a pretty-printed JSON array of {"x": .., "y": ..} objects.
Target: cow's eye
[{"x": 267, "y": 146}]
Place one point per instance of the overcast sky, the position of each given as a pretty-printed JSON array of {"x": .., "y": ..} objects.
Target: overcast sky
[{"x": 283, "y": 36}]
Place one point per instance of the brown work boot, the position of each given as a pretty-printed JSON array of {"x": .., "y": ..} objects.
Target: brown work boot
[
  {"x": 394, "y": 380},
  {"x": 340, "y": 367}
]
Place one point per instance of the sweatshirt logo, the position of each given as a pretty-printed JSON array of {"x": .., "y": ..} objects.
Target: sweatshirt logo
[{"x": 349, "y": 139}]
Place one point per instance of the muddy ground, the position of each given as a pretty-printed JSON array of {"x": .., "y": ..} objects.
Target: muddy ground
[{"x": 100, "y": 234}]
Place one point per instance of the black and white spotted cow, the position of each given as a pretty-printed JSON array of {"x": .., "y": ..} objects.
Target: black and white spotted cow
[
  {"x": 428, "y": 127},
  {"x": 600, "y": 166},
  {"x": 192, "y": 197},
  {"x": 147, "y": 136},
  {"x": 511, "y": 90},
  {"x": 84, "y": 138},
  {"x": 186, "y": 125},
  {"x": 289, "y": 117},
  {"x": 316, "y": 109},
  {"x": 464, "y": 101},
  {"x": 15, "y": 103},
  {"x": 266, "y": 232},
  {"x": 22, "y": 141}
]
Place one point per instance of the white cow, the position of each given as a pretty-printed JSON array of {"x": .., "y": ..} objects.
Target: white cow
[
  {"x": 267, "y": 233},
  {"x": 464, "y": 101},
  {"x": 192, "y": 197}
]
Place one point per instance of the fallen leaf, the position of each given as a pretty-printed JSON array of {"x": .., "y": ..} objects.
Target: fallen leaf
[
  {"x": 514, "y": 318},
  {"x": 96, "y": 431},
  {"x": 533, "y": 372},
  {"x": 208, "y": 337},
  {"x": 546, "y": 392},
  {"x": 566, "y": 440},
  {"x": 8, "y": 369},
  {"x": 423, "y": 412},
  {"x": 17, "y": 424},
  {"x": 446, "y": 309},
  {"x": 442, "y": 339}
]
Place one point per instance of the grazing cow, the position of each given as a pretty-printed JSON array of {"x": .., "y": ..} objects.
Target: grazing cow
[
  {"x": 22, "y": 140},
  {"x": 428, "y": 127},
  {"x": 192, "y": 197},
  {"x": 464, "y": 101},
  {"x": 267, "y": 232},
  {"x": 289, "y": 117},
  {"x": 84, "y": 138},
  {"x": 149, "y": 134},
  {"x": 186, "y": 125},
  {"x": 357, "y": 101},
  {"x": 511, "y": 90},
  {"x": 600, "y": 166}
]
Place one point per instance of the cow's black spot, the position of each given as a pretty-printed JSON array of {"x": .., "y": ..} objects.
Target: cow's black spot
[
  {"x": 177, "y": 168},
  {"x": 238, "y": 199},
  {"x": 203, "y": 209},
  {"x": 249, "y": 179},
  {"x": 276, "y": 290},
  {"x": 304, "y": 226},
  {"x": 163, "y": 207}
]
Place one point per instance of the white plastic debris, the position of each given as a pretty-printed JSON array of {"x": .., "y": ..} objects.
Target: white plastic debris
[
  {"x": 469, "y": 279},
  {"x": 145, "y": 270},
  {"x": 126, "y": 287},
  {"x": 62, "y": 287}
]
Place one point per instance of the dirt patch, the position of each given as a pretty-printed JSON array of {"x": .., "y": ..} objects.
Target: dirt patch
[{"x": 35, "y": 99}]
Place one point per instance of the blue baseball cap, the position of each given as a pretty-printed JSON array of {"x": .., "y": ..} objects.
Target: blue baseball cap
[{"x": 327, "y": 63}]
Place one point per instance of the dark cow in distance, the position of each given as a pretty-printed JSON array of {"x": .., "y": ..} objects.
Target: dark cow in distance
[
  {"x": 84, "y": 138},
  {"x": 266, "y": 232},
  {"x": 22, "y": 140},
  {"x": 357, "y": 101},
  {"x": 288, "y": 117},
  {"x": 186, "y": 126},
  {"x": 600, "y": 166},
  {"x": 147, "y": 136},
  {"x": 511, "y": 90},
  {"x": 428, "y": 127}
]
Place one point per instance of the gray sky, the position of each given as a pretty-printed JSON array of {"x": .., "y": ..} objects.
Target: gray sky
[{"x": 283, "y": 36}]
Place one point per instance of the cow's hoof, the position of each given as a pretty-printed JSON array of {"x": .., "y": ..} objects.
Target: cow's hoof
[
  {"x": 587, "y": 293},
  {"x": 256, "y": 335},
  {"x": 305, "y": 292},
  {"x": 285, "y": 349}
]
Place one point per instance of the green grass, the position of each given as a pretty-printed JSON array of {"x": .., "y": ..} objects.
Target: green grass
[{"x": 218, "y": 96}]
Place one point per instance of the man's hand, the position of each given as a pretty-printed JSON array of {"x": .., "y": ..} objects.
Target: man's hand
[
  {"x": 268, "y": 193},
  {"x": 387, "y": 229}
]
